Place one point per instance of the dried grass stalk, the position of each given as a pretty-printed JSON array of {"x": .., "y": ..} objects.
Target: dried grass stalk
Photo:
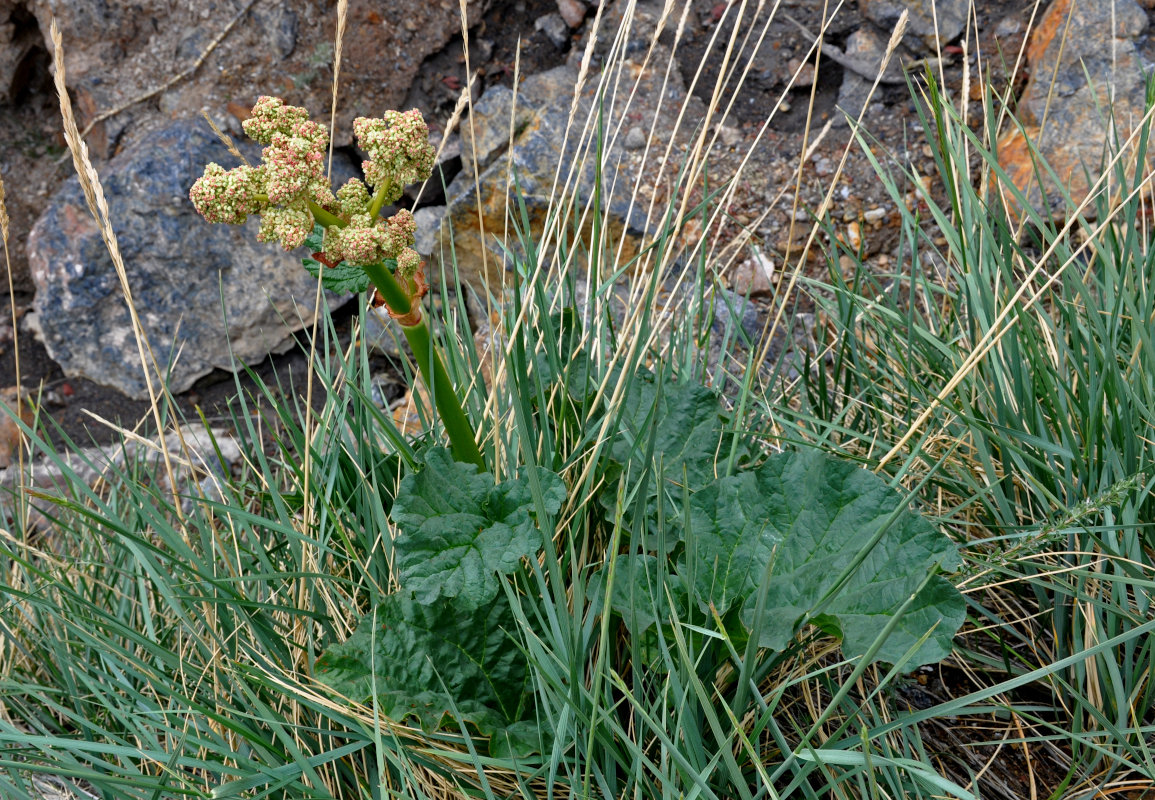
[
  {"x": 98, "y": 207},
  {"x": 3, "y": 217}
]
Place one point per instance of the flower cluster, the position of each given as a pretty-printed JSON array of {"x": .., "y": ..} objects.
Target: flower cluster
[
  {"x": 271, "y": 116},
  {"x": 398, "y": 148},
  {"x": 280, "y": 190},
  {"x": 229, "y": 196},
  {"x": 364, "y": 241},
  {"x": 291, "y": 184}
]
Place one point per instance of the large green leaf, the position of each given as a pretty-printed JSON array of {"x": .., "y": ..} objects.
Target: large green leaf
[
  {"x": 802, "y": 520},
  {"x": 434, "y": 662},
  {"x": 460, "y": 530},
  {"x": 731, "y": 541},
  {"x": 686, "y": 423},
  {"x": 684, "y": 426}
]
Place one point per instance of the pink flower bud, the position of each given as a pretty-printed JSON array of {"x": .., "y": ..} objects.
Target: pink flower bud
[
  {"x": 269, "y": 116},
  {"x": 228, "y": 196},
  {"x": 408, "y": 262},
  {"x": 398, "y": 148}
]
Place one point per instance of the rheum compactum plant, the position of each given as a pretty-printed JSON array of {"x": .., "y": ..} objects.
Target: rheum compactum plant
[
  {"x": 694, "y": 532},
  {"x": 292, "y": 194}
]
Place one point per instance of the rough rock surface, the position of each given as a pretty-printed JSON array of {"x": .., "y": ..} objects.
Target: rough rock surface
[
  {"x": 180, "y": 270},
  {"x": 929, "y": 19},
  {"x": 1084, "y": 73},
  {"x": 118, "y": 50},
  {"x": 132, "y": 66},
  {"x": 18, "y": 38},
  {"x": 868, "y": 50},
  {"x": 540, "y": 144}
]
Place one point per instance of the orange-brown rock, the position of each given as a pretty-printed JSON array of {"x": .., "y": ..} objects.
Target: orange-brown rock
[{"x": 1084, "y": 98}]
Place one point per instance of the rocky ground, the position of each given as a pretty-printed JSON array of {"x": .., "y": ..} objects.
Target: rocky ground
[{"x": 140, "y": 73}]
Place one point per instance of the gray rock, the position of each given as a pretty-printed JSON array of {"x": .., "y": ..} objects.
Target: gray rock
[
  {"x": 428, "y": 221},
  {"x": 485, "y": 135},
  {"x": 281, "y": 26},
  {"x": 864, "y": 53},
  {"x": 944, "y": 19},
  {"x": 18, "y": 37},
  {"x": 180, "y": 270},
  {"x": 1091, "y": 50},
  {"x": 732, "y": 311},
  {"x": 635, "y": 138},
  {"x": 540, "y": 147},
  {"x": 863, "y": 57},
  {"x": 555, "y": 29},
  {"x": 853, "y": 94},
  {"x": 117, "y": 50}
]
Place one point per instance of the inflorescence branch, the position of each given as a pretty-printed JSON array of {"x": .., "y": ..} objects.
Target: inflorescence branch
[{"x": 291, "y": 192}]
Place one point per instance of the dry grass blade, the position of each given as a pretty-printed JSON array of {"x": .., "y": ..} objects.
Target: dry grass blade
[
  {"x": 226, "y": 140},
  {"x": 311, "y": 558},
  {"x": 4, "y": 218},
  {"x": 339, "y": 39},
  {"x": 98, "y": 207}
]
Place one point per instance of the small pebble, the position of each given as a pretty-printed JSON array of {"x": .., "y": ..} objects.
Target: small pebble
[
  {"x": 854, "y": 236},
  {"x": 554, "y": 28},
  {"x": 635, "y": 138},
  {"x": 1008, "y": 26},
  {"x": 729, "y": 135},
  {"x": 802, "y": 72},
  {"x": 754, "y": 276},
  {"x": 572, "y": 11}
]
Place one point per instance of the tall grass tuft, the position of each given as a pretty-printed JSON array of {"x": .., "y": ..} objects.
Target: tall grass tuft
[{"x": 1012, "y": 365}]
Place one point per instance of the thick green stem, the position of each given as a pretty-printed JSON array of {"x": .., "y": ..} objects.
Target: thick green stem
[
  {"x": 461, "y": 436},
  {"x": 378, "y": 200},
  {"x": 324, "y": 217}
]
